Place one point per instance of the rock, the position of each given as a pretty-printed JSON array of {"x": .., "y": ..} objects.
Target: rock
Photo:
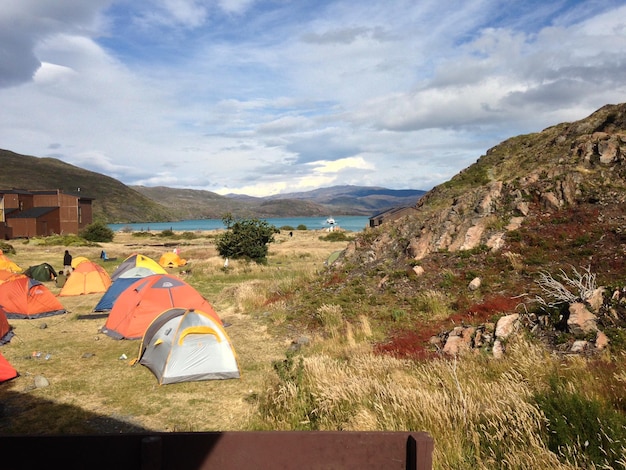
[
  {"x": 418, "y": 270},
  {"x": 523, "y": 209},
  {"x": 475, "y": 284},
  {"x": 498, "y": 349},
  {"x": 514, "y": 223},
  {"x": 596, "y": 299},
  {"x": 550, "y": 201},
  {"x": 496, "y": 242},
  {"x": 436, "y": 341},
  {"x": 506, "y": 325},
  {"x": 473, "y": 236},
  {"x": 581, "y": 321},
  {"x": 454, "y": 346},
  {"x": 296, "y": 345},
  {"x": 579, "y": 346},
  {"x": 41, "y": 381},
  {"x": 602, "y": 341}
]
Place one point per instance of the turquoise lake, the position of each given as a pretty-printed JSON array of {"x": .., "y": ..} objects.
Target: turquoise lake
[{"x": 349, "y": 222}]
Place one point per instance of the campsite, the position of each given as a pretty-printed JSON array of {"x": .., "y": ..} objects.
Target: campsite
[{"x": 92, "y": 384}]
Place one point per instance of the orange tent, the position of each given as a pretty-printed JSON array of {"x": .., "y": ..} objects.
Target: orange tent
[
  {"x": 78, "y": 260},
  {"x": 147, "y": 298},
  {"x": 28, "y": 298},
  {"x": 171, "y": 260},
  {"x": 9, "y": 275},
  {"x": 87, "y": 278},
  {"x": 6, "y": 331},
  {"x": 7, "y": 264},
  {"x": 7, "y": 371}
]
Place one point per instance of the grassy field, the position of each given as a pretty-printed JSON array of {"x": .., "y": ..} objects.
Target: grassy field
[
  {"x": 308, "y": 345},
  {"x": 93, "y": 390}
]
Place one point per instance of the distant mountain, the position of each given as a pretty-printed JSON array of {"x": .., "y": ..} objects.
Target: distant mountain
[
  {"x": 336, "y": 200},
  {"x": 357, "y": 200},
  {"x": 115, "y": 202}
]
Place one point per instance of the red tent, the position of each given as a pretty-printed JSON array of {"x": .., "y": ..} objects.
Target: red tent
[
  {"x": 7, "y": 371},
  {"x": 145, "y": 299},
  {"x": 28, "y": 298}
]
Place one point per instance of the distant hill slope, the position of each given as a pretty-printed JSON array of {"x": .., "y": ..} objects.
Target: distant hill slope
[
  {"x": 336, "y": 200},
  {"x": 114, "y": 201},
  {"x": 357, "y": 200},
  {"x": 198, "y": 204}
]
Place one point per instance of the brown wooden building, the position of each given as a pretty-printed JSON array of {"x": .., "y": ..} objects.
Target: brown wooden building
[
  {"x": 391, "y": 214},
  {"x": 32, "y": 213}
]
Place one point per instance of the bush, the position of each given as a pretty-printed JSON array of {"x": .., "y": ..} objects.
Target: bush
[
  {"x": 64, "y": 240},
  {"x": 97, "y": 232},
  {"x": 6, "y": 248},
  {"x": 245, "y": 239},
  {"x": 167, "y": 233},
  {"x": 336, "y": 236},
  {"x": 301, "y": 227},
  {"x": 580, "y": 428}
]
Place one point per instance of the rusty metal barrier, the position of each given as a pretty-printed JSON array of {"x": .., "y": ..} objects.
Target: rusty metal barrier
[{"x": 271, "y": 450}]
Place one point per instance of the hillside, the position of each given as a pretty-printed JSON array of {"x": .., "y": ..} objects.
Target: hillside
[
  {"x": 114, "y": 201},
  {"x": 500, "y": 305},
  {"x": 550, "y": 202},
  {"x": 198, "y": 204}
]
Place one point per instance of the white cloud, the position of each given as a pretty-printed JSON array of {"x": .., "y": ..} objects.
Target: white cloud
[{"x": 262, "y": 97}]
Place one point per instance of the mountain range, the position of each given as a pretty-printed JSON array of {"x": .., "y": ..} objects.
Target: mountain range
[{"x": 115, "y": 202}]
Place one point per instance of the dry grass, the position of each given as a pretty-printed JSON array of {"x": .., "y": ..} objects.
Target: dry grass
[
  {"x": 479, "y": 417},
  {"x": 90, "y": 384}
]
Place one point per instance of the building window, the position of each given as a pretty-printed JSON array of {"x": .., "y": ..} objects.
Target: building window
[{"x": 80, "y": 215}]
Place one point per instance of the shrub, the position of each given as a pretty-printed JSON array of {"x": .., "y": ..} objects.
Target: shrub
[
  {"x": 582, "y": 429},
  {"x": 336, "y": 236},
  {"x": 142, "y": 234},
  {"x": 301, "y": 227},
  {"x": 97, "y": 232},
  {"x": 188, "y": 236},
  {"x": 6, "y": 248},
  {"x": 167, "y": 233},
  {"x": 245, "y": 239}
]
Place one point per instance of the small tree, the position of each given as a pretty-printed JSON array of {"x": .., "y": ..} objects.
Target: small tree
[
  {"x": 97, "y": 232},
  {"x": 245, "y": 238}
]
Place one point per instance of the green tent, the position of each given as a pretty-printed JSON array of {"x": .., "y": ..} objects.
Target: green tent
[
  {"x": 41, "y": 272},
  {"x": 333, "y": 257}
]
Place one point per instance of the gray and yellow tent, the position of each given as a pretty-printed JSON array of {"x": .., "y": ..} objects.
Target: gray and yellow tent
[{"x": 183, "y": 345}]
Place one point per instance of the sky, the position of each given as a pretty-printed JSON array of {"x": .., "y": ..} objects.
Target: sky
[{"x": 280, "y": 96}]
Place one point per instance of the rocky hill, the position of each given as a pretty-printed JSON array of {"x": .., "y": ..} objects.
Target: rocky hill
[{"x": 536, "y": 211}]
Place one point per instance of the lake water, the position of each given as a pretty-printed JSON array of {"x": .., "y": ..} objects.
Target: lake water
[{"x": 353, "y": 223}]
